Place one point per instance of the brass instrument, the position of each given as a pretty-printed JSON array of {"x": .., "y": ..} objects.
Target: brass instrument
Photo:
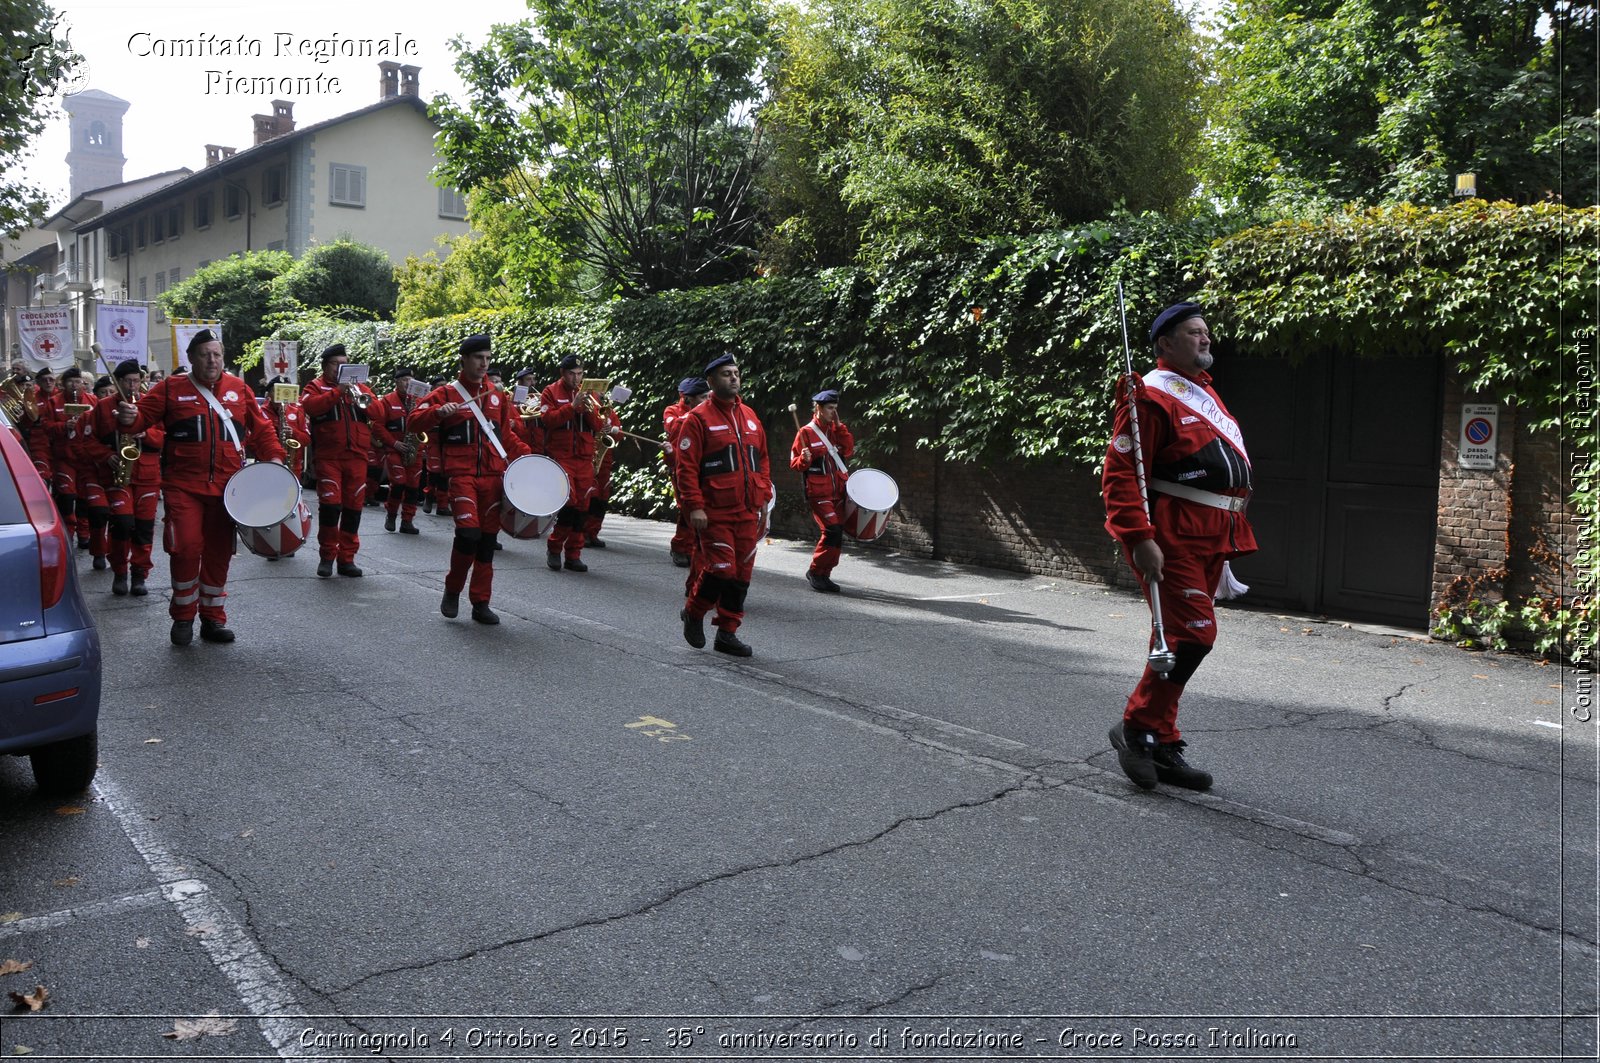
[
  {"x": 359, "y": 397},
  {"x": 282, "y": 395},
  {"x": 16, "y": 402}
]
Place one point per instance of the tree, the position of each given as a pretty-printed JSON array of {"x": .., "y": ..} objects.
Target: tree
[
  {"x": 924, "y": 123},
  {"x": 33, "y": 66},
  {"x": 621, "y": 127},
  {"x": 341, "y": 274},
  {"x": 238, "y": 290},
  {"x": 1326, "y": 102}
]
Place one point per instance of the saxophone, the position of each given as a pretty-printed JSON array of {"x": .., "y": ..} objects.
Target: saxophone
[
  {"x": 411, "y": 443},
  {"x": 124, "y": 449}
]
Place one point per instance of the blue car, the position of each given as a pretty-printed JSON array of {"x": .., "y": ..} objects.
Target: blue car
[{"x": 49, "y": 648}]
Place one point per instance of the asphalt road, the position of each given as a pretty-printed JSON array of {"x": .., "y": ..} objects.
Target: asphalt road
[{"x": 897, "y": 832}]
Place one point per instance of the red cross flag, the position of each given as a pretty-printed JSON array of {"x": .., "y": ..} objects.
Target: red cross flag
[
  {"x": 45, "y": 334},
  {"x": 280, "y": 357},
  {"x": 123, "y": 332}
]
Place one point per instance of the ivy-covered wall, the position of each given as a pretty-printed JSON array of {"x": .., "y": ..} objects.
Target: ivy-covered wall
[{"x": 1000, "y": 363}]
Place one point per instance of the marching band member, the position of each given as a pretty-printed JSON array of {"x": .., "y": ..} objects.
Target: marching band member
[
  {"x": 290, "y": 419},
  {"x": 532, "y": 423},
  {"x": 133, "y": 493},
  {"x": 571, "y": 419},
  {"x": 475, "y": 426},
  {"x": 726, "y": 485},
  {"x": 691, "y": 392},
  {"x": 33, "y": 425},
  {"x": 209, "y": 416},
  {"x": 401, "y": 447},
  {"x": 819, "y": 450},
  {"x": 436, "y": 495},
  {"x": 601, "y": 500},
  {"x": 66, "y": 470},
  {"x": 342, "y": 441},
  {"x": 91, "y": 461}
]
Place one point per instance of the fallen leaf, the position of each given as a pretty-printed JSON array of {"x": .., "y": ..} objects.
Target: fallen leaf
[
  {"x": 1367, "y": 946},
  {"x": 70, "y": 880},
  {"x": 10, "y": 917},
  {"x": 152, "y": 741},
  {"x": 246, "y": 833},
  {"x": 1543, "y": 701},
  {"x": 70, "y": 810},
  {"x": 201, "y": 930},
  {"x": 32, "y": 1001},
  {"x": 14, "y": 966},
  {"x": 141, "y": 943},
  {"x": 1476, "y": 676},
  {"x": 211, "y": 1024},
  {"x": 21, "y": 1050}
]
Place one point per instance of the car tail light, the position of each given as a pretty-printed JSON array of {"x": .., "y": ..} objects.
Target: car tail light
[{"x": 55, "y": 550}]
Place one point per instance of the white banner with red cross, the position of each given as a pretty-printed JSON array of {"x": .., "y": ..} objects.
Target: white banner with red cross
[
  {"x": 45, "y": 334},
  {"x": 281, "y": 358},
  {"x": 183, "y": 330},
  {"x": 123, "y": 332}
]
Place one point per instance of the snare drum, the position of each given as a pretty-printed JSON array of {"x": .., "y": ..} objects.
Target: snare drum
[
  {"x": 536, "y": 488},
  {"x": 869, "y": 495},
  {"x": 264, "y": 501}
]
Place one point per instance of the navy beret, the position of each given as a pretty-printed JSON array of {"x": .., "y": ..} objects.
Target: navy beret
[
  {"x": 475, "y": 343},
  {"x": 830, "y": 395},
  {"x": 205, "y": 335},
  {"x": 686, "y": 385},
  {"x": 1170, "y": 317},
  {"x": 333, "y": 352},
  {"x": 697, "y": 386},
  {"x": 529, "y": 371},
  {"x": 719, "y": 361},
  {"x": 571, "y": 361},
  {"x": 126, "y": 367}
]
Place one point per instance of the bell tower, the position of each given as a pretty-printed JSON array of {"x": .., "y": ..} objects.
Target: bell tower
[{"x": 95, "y": 123}]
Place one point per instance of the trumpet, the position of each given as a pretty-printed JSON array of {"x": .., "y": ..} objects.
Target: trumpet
[
  {"x": 16, "y": 402},
  {"x": 359, "y": 397}
]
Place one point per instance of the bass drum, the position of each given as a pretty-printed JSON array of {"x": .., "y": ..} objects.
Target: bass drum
[
  {"x": 869, "y": 495},
  {"x": 264, "y": 501},
  {"x": 535, "y": 489}
]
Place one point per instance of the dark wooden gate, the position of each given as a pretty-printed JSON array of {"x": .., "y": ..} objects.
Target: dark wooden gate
[{"x": 1345, "y": 453}]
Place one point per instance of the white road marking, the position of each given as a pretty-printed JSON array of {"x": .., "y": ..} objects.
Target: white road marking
[
  {"x": 262, "y": 988},
  {"x": 82, "y": 913}
]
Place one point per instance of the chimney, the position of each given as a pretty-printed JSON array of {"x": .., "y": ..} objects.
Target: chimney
[
  {"x": 408, "y": 80},
  {"x": 388, "y": 80},
  {"x": 215, "y": 153},
  {"x": 276, "y": 124}
]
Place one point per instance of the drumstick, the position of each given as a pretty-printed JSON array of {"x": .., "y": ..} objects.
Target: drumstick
[{"x": 794, "y": 412}]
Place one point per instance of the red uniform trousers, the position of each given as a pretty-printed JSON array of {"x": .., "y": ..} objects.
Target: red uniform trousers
[
  {"x": 133, "y": 525},
  {"x": 475, "y": 502},
  {"x": 724, "y": 560},
  {"x": 341, "y": 490},
  {"x": 600, "y": 502},
  {"x": 1189, "y": 576},
  {"x": 405, "y": 486},
  {"x": 567, "y": 534},
  {"x": 827, "y": 513},
  {"x": 199, "y": 543},
  {"x": 94, "y": 505}
]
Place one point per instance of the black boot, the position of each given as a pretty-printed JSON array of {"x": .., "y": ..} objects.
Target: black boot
[
  {"x": 212, "y": 631},
  {"x": 727, "y": 642},
  {"x": 1136, "y": 753},
  {"x": 388, "y": 522},
  {"x": 325, "y": 568},
  {"x": 1173, "y": 770},
  {"x": 138, "y": 589},
  {"x": 694, "y": 629},
  {"x": 119, "y": 584},
  {"x": 349, "y": 568},
  {"x": 822, "y": 583},
  {"x": 407, "y": 528},
  {"x": 552, "y": 560},
  {"x": 574, "y": 565},
  {"x": 450, "y": 604},
  {"x": 182, "y": 632},
  {"x": 483, "y": 614}
]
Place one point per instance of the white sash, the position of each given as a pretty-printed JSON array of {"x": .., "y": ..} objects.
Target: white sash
[
  {"x": 483, "y": 422},
  {"x": 221, "y": 412},
  {"x": 1200, "y": 401},
  {"x": 832, "y": 451}
]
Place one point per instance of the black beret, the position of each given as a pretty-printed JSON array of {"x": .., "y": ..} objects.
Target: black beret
[
  {"x": 529, "y": 371},
  {"x": 333, "y": 352},
  {"x": 71, "y": 372},
  {"x": 404, "y": 370},
  {"x": 571, "y": 361},
  {"x": 126, "y": 367},
  {"x": 473, "y": 344},
  {"x": 46, "y": 371},
  {"x": 436, "y": 381},
  {"x": 719, "y": 361},
  {"x": 102, "y": 382},
  {"x": 205, "y": 335},
  {"x": 829, "y": 395},
  {"x": 1169, "y": 318},
  {"x": 697, "y": 386}
]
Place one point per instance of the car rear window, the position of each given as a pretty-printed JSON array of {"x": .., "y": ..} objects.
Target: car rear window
[{"x": 11, "y": 508}]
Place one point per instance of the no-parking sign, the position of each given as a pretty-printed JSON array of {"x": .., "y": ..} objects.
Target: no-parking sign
[{"x": 1479, "y": 426}]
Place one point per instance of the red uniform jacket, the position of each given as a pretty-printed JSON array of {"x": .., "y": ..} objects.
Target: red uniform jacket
[
  {"x": 568, "y": 434},
  {"x": 339, "y": 428},
  {"x": 672, "y": 425},
  {"x": 198, "y": 454},
  {"x": 147, "y": 470},
  {"x": 722, "y": 458},
  {"x": 1182, "y": 447},
  {"x": 390, "y": 421},
  {"x": 460, "y": 437},
  {"x": 808, "y": 455}
]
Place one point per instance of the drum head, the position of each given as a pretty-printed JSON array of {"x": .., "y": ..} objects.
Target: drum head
[
  {"x": 872, "y": 490},
  {"x": 261, "y": 495},
  {"x": 536, "y": 485}
]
